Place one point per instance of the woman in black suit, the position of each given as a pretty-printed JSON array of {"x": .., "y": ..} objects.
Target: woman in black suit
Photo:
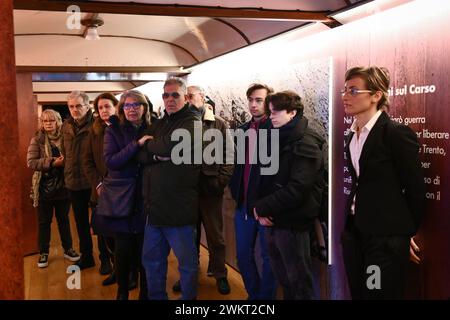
[{"x": 385, "y": 206}]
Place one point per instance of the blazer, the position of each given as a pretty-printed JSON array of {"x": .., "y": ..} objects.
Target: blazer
[{"x": 390, "y": 190}]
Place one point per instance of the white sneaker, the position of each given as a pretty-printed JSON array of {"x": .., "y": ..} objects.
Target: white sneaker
[{"x": 43, "y": 260}]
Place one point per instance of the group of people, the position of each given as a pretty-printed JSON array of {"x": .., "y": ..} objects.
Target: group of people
[{"x": 122, "y": 159}]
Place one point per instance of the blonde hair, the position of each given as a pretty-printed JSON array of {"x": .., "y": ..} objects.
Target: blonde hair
[
  {"x": 376, "y": 79},
  {"x": 50, "y": 114}
]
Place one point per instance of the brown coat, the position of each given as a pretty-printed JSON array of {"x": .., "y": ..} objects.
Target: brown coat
[
  {"x": 36, "y": 159},
  {"x": 215, "y": 177},
  {"x": 92, "y": 161},
  {"x": 73, "y": 142}
]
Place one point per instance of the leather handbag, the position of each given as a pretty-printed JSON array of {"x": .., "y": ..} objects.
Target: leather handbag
[
  {"x": 117, "y": 198},
  {"x": 51, "y": 184}
]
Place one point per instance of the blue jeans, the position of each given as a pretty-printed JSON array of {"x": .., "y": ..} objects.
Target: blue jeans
[
  {"x": 259, "y": 287},
  {"x": 157, "y": 244}
]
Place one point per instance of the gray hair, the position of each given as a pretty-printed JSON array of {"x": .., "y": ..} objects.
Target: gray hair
[
  {"x": 199, "y": 89},
  {"x": 178, "y": 81},
  {"x": 75, "y": 94}
]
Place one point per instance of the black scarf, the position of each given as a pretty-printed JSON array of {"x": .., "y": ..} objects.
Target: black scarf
[{"x": 286, "y": 130}]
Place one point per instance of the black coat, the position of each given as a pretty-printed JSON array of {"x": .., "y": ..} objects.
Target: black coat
[
  {"x": 170, "y": 190},
  {"x": 292, "y": 197},
  {"x": 390, "y": 190},
  {"x": 237, "y": 179}
]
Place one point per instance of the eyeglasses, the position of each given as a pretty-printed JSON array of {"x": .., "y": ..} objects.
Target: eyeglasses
[
  {"x": 353, "y": 91},
  {"x": 174, "y": 95},
  {"x": 134, "y": 105}
]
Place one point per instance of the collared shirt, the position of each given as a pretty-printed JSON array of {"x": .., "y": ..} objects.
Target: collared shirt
[{"x": 357, "y": 145}]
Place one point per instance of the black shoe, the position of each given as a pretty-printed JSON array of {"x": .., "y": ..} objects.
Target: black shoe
[
  {"x": 132, "y": 280},
  {"x": 122, "y": 296},
  {"x": 209, "y": 272},
  {"x": 176, "y": 286},
  {"x": 86, "y": 261},
  {"x": 72, "y": 255},
  {"x": 143, "y": 295},
  {"x": 105, "y": 268},
  {"x": 110, "y": 280},
  {"x": 43, "y": 260},
  {"x": 222, "y": 286}
]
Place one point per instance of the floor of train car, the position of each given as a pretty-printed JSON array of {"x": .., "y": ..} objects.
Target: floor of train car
[{"x": 50, "y": 283}]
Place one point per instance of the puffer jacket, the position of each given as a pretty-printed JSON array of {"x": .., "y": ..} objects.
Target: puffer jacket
[{"x": 38, "y": 161}]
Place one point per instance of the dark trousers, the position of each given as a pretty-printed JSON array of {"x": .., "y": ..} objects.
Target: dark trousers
[
  {"x": 364, "y": 255},
  {"x": 127, "y": 258},
  {"x": 105, "y": 243},
  {"x": 45, "y": 216},
  {"x": 290, "y": 258},
  {"x": 80, "y": 205},
  {"x": 105, "y": 250},
  {"x": 211, "y": 217}
]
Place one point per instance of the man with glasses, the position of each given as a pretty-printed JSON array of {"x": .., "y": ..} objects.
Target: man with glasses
[
  {"x": 75, "y": 135},
  {"x": 171, "y": 196},
  {"x": 213, "y": 179},
  {"x": 244, "y": 185}
]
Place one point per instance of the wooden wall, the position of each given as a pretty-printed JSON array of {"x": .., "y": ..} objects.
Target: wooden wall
[
  {"x": 11, "y": 262},
  {"x": 27, "y": 112}
]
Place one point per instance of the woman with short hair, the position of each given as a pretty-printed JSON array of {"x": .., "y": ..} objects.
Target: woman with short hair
[{"x": 48, "y": 191}]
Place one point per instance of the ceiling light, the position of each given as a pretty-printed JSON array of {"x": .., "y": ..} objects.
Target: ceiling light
[{"x": 91, "y": 32}]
